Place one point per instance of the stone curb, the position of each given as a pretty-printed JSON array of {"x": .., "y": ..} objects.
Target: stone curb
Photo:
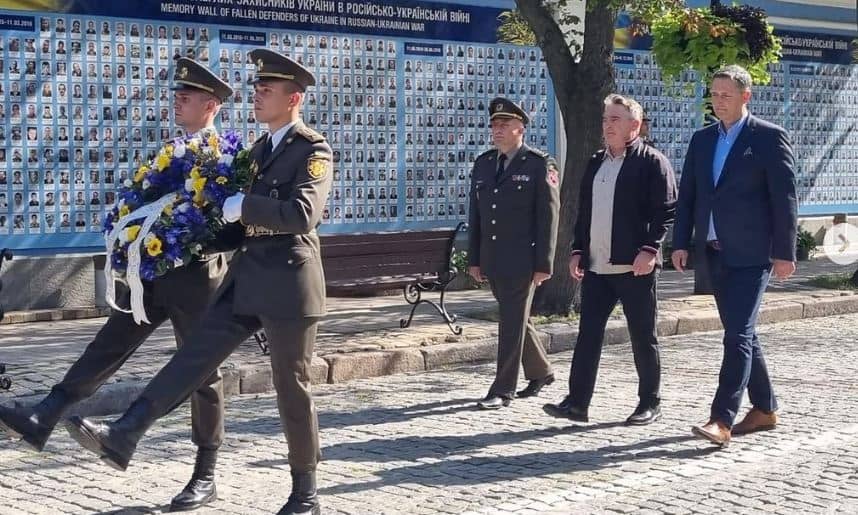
[
  {"x": 52, "y": 315},
  {"x": 342, "y": 367}
]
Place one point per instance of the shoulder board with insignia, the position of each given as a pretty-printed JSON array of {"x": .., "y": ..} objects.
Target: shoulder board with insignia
[
  {"x": 487, "y": 153},
  {"x": 538, "y": 152},
  {"x": 309, "y": 134},
  {"x": 319, "y": 155}
]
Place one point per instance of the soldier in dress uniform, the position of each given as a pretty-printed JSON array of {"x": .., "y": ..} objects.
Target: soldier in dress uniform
[
  {"x": 514, "y": 211},
  {"x": 180, "y": 296},
  {"x": 275, "y": 282}
]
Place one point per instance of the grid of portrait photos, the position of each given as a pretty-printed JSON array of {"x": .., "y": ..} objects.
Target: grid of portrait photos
[
  {"x": 82, "y": 103},
  {"x": 405, "y": 129},
  {"x": 823, "y": 116},
  {"x": 817, "y": 104}
]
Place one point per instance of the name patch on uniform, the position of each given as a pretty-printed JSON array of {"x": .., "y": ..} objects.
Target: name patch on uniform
[
  {"x": 521, "y": 178},
  {"x": 317, "y": 167}
]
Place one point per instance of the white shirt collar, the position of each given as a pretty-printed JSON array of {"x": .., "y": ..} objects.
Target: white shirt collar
[{"x": 279, "y": 134}]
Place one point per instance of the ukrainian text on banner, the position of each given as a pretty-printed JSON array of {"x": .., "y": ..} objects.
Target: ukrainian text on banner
[{"x": 398, "y": 18}]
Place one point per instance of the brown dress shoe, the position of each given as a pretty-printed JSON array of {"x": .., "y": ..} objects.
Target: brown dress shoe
[
  {"x": 756, "y": 420},
  {"x": 715, "y": 431}
]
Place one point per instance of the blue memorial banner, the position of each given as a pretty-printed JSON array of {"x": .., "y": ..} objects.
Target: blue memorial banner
[
  {"x": 397, "y": 18},
  {"x": 427, "y": 49},
  {"x": 238, "y": 37},
  {"x": 19, "y": 23}
]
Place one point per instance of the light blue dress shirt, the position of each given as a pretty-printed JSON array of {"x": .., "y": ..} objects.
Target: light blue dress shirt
[{"x": 726, "y": 138}]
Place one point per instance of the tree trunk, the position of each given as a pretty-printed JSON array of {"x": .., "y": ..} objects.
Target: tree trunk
[{"x": 580, "y": 89}]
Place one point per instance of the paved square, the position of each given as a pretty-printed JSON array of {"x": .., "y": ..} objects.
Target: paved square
[{"x": 414, "y": 444}]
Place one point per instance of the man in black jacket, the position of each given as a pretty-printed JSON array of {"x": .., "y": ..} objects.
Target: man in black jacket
[{"x": 627, "y": 201}]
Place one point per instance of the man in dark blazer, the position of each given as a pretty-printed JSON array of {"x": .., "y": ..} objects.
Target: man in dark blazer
[
  {"x": 275, "y": 282},
  {"x": 180, "y": 296},
  {"x": 737, "y": 196},
  {"x": 627, "y": 203},
  {"x": 514, "y": 212}
]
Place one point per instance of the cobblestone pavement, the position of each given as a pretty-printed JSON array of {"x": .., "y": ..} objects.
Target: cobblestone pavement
[{"x": 413, "y": 443}]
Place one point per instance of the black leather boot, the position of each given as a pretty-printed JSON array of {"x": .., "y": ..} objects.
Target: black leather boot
[
  {"x": 114, "y": 442},
  {"x": 200, "y": 489},
  {"x": 34, "y": 424},
  {"x": 303, "y": 500}
]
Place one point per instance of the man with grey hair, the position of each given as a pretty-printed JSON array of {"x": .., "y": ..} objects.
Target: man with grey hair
[
  {"x": 737, "y": 196},
  {"x": 627, "y": 202}
]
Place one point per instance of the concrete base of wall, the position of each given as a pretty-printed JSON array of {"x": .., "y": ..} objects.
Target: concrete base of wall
[
  {"x": 817, "y": 225},
  {"x": 70, "y": 281},
  {"x": 50, "y": 282}
]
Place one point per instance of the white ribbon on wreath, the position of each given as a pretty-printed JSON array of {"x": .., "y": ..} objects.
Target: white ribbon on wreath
[{"x": 150, "y": 214}]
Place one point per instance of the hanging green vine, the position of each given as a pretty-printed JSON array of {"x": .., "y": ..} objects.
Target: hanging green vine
[{"x": 704, "y": 40}]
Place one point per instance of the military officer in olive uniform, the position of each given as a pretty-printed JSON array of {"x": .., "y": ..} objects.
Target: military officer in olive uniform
[
  {"x": 514, "y": 211},
  {"x": 180, "y": 296},
  {"x": 275, "y": 282}
]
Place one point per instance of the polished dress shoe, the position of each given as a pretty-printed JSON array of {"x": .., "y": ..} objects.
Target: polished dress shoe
[
  {"x": 756, "y": 420},
  {"x": 715, "y": 431},
  {"x": 200, "y": 489},
  {"x": 114, "y": 442},
  {"x": 493, "y": 402},
  {"x": 535, "y": 386},
  {"x": 34, "y": 424},
  {"x": 303, "y": 499},
  {"x": 565, "y": 409},
  {"x": 644, "y": 415}
]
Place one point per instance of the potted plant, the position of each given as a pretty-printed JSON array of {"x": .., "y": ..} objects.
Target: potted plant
[
  {"x": 704, "y": 39},
  {"x": 463, "y": 280},
  {"x": 805, "y": 245}
]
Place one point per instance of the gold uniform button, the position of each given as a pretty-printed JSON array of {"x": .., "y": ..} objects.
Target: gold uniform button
[
  {"x": 494, "y": 237},
  {"x": 519, "y": 187},
  {"x": 494, "y": 222},
  {"x": 275, "y": 183},
  {"x": 496, "y": 190},
  {"x": 494, "y": 206},
  {"x": 244, "y": 248},
  {"x": 290, "y": 261}
]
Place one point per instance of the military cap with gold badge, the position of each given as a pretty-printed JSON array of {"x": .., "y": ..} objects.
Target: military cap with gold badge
[
  {"x": 501, "y": 107},
  {"x": 271, "y": 65},
  {"x": 190, "y": 74}
]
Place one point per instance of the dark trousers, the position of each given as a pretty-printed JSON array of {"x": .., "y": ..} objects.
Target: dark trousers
[
  {"x": 738, "y": 294},
  {"x": 120, "y": 337},
  {"x": 218, "y": 334},
  {"x": 518, "y": 342},
  {"x": 599, "y": 296}
]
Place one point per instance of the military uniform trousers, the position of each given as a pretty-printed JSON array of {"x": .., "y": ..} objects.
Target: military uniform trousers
[
  {"x": 518, "y": 342},
  {"x": 121, "y": 336},
  {"x": 219, "y": 333}
]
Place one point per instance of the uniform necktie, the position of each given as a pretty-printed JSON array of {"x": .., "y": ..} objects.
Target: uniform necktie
[
  {"x": 266, "y": 152},
  {"x": 501, "y": 166}
]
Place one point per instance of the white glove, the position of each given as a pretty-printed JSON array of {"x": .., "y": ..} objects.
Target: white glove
[{"x": 232, "y": 207}]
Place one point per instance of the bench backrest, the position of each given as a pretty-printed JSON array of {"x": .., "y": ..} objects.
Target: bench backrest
[{"x": 361, "y": 256}]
